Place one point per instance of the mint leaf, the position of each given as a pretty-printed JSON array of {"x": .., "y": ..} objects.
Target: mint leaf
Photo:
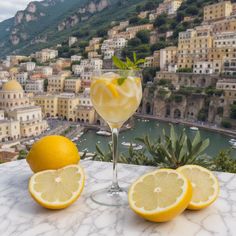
[
  {"x": 130, "y": 64},
  {"x": 135, "y": 57},
  {"x": 118, "y": 63},
  {"x": 121, "y": 80},
  {"x": 127, "y": 65},
  {"x": 140, "y": 61}
]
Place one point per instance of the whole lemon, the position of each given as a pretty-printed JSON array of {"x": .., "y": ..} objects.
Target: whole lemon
[{"x": 51, "y": 153}]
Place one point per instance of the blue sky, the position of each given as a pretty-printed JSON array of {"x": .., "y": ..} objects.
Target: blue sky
[{"x": 8, "y": 8}]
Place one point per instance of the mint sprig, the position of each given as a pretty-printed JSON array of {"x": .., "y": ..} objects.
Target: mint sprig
[{"x": 127, "y": 65}]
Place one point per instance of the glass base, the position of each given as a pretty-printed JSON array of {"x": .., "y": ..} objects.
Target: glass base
[{"x": 113, "y": 196}]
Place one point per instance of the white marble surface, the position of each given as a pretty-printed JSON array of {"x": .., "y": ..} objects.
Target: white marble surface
[{"x": 20, "y": 215}]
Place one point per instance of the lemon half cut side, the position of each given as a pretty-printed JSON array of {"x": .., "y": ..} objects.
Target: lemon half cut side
[
  {"x": 57, "y": 189},
  {"x": 205, "y": 186},
  {"x": 160, "y": 195}
]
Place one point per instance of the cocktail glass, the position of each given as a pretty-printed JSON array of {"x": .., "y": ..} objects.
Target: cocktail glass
[{"x": 116, "y": 95}]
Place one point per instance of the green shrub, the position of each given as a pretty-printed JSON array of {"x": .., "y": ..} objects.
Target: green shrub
[
  {"x": 226, "y": 124},
  {"x": 144, "y": 36},
  {"x": 163, "y": 82},
  {"x": 233, "y": 111},
  {"x": 178, "y": 98},
  {"x": 224, "y": 162},
  {"x": 203, "y": 114},
  {"x": 22, "y": 155},
  {"x": 220, "y": 111},
  {"x": 172, "y": 151}
]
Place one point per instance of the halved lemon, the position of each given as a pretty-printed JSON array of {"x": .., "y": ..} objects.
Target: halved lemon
[
  {"x": 160, "y": 195},
  {"x": 205, "y": 186},
  {"x": 57, "y": 189}
]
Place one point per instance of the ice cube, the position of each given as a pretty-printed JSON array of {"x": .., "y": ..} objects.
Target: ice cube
[{"x": 110, "y": 75}]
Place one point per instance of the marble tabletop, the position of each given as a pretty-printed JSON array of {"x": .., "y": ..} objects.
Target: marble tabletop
[{"x": 20, "y": 215}]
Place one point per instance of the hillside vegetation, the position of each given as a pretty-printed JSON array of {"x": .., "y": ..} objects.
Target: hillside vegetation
[{"x": 50, "y": 22}]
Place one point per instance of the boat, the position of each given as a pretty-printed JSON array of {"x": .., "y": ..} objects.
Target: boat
[
  {"x": 134, "y": 145},
  {"x": 75, "y": 139},
  {"x": 128, "y": 144},
  {"x": 103, "y": 133},
  {"x": 128, "y": 126},
  {"x": 194, "y": 128},
  {"x": 234, "y": 146},
  {"x": 232, "y": 141},
  {"x": 138, "y": 147}
]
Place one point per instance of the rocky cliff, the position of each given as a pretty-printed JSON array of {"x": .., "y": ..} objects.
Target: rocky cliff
[{"x": 49, "y": 22}]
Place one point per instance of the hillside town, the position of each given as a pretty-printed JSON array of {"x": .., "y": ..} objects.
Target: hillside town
[{"x": 195, "y": 80}]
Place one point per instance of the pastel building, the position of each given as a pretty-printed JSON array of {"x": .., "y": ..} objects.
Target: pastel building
[
  {"x": 218, "y": 11},
  {"x": 21, "y": 117}
]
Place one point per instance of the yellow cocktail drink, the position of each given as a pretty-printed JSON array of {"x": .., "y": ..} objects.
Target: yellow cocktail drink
[
  {"x": 115, "y": 95},
  {"x": 116, "y": 98}
]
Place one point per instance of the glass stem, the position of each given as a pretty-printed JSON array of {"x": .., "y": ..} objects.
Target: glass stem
[{"x": 115, "y": 133}]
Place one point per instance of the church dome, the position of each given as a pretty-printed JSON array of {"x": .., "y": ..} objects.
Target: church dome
[{"x": 12, "y": 86}]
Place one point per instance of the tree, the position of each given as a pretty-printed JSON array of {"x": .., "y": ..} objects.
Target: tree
[
  {"x": 164, "y": 82},
  {"x": 138, "y": 8},
  {"x": 149, "y": 6},
  {"x": 160, "y": 20},
  {"x": 134, "y": 42},
  {"x": 233, "y": 111},
  {"x": 83, "y": 44},
  {"x": 45, "y": 84},
  {"x": 101, "y": 32},
  {"x": 143, "y": 48},
  {"x": 178, "y": 98},
  {"x": 202, "y": 115},
  {"x": 149, "y": 74},
  {"x": 226, "y": 124},
  {"x": 192, "y": 10},
  {"x": 220, "y": 111},
  {"x": 180, "y": 16},
  {"x": 159, "y": 45},
  {"x": 144, "y": 36},
  {"x": 134, "y": 20},
  {"x": 163, "y": 28}
]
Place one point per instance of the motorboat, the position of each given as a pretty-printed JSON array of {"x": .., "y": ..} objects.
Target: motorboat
[
  {"x": 74, "y": 139},
  {"x": 234, "y": 146},
  {"x": 134, "y": 145},
  {"x": 103, "y": 133},
  {"x": 138, "y": 147},
  {"x": 194, "y": 128},
  {"x": 232, "y": 141}
]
